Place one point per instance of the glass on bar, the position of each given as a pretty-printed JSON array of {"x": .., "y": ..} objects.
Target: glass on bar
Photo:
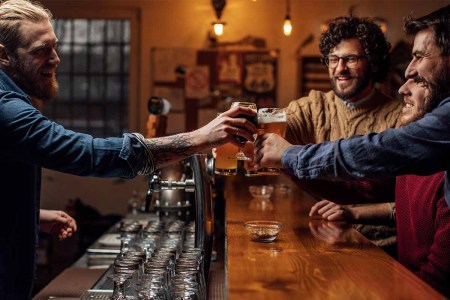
[
  {"x": 253, "y": 119},
  {"x": 240, "y": 155},
  {"x": 226, "y": 160},
  {"x": 249, "y": 165},
  {"x": 271, "y": 120}
]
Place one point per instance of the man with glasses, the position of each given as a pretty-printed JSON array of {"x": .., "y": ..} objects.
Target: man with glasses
[{"x": 356, "y": 53}]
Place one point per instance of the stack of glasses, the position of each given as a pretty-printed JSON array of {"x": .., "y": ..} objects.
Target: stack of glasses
[{"x": 158, "y": 261}]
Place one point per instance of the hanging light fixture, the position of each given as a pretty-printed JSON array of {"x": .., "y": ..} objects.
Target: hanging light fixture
[
  {"x": 218, "y": 25},
  {"x": 287, "y": 25}
]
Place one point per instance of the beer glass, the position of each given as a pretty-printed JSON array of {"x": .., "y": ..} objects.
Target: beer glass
[
  {"x": 226, "y": 160},
  {"x": 249, "y": 166},
  {"x": 271, "y": 120},
  {"x": 240, "y": 155}
]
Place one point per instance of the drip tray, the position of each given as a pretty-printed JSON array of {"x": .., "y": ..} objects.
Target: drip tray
[{"x": 96, "y": 295}]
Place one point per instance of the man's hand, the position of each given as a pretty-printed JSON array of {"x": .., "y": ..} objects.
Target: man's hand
[
  {"x": 268, "y": 150},
  {"x": 332, "y": 212},
  {"x": 57, "y": 223},
  {"x": 376, "y": 214},
  {"x": 224, "y": 128}
]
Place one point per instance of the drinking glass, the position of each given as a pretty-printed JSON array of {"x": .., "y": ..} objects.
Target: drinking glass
[
  {"x": 240, "y": 155},
  {"x": 226, "y": 160},
  {"x": 152, "y": 287},
  {"x": 271, "y": 120},
  {"x": 119, "y": 285},
  {"x": 249, "y": 165}
]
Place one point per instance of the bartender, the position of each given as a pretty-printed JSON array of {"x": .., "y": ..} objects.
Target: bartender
[{"x": 30, "y": 141}]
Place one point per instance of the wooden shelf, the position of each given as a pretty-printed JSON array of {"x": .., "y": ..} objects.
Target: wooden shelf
[{"x": 312, "y": 75}]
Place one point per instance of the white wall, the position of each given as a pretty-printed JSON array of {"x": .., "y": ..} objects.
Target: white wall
[{"x": 108, "y": 196}]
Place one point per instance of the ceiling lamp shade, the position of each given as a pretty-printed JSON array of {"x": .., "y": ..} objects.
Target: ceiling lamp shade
[{"x": 218, "y": 25}]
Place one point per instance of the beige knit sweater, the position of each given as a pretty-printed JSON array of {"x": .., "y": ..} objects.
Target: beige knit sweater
[{"x": 324, "y": 117}]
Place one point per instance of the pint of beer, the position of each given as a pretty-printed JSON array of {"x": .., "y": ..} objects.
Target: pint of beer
[
  {"x": 250, "y": 105},
  {"x": 271, "y": 120},
  {"x": 226, "y": 161}
]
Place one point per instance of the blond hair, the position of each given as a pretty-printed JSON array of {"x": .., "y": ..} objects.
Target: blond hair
[{"x": 12, "y": 13}]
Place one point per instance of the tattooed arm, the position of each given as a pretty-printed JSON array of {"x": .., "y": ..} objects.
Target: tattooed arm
[{"x": 221, "y": 130}]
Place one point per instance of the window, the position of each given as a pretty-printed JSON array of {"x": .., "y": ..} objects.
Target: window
[{"x": 93, "y": 76}]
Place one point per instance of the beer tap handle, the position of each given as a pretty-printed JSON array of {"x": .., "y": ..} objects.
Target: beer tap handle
[{"x": 153, "y": 186}]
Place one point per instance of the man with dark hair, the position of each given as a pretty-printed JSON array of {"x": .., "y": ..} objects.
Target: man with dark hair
[
  {"x": 431, "y": 52},
  {"x": 356, "y": 54},
  {"x": 28, "y": 63},
  {"x": 423, "y": 248}
]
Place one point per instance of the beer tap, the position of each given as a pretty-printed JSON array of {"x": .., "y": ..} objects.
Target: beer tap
[
  {"x": 201, "y": 176},
  {"x": 156, "y": 185}
]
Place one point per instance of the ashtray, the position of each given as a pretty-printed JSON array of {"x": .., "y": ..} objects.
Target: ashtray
[
  {"x": 261, "y": 191},
  {"x": 263, "y": 231}
]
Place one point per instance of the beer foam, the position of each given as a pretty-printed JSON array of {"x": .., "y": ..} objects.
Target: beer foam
[{"x": 273, "y": 118}]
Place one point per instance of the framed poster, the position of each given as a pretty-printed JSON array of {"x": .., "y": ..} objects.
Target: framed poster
[
  {"x": 245, "y": 75},
  {"x": 229, "y": 67}
]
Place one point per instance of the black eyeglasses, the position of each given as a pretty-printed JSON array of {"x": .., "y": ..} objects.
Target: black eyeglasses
[{"x": 351, "y": 61}]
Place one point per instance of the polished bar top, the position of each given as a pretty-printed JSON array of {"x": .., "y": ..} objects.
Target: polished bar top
[{"x": 311, "y": 259}]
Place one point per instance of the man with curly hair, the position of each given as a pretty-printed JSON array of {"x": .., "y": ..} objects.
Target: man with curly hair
[{"x": 356, "y": 53}]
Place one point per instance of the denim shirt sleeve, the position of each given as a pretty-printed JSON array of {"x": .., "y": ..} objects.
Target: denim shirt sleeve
[
  {"x": 421, "y": 147},
  {"x": 29, "y": 137}
]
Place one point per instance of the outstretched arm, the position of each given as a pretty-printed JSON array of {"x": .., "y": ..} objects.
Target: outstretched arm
[
  {"x": 221, "y": 130},
  {"x": 421, "y": 148},
  {"x": 51, "y": 146},
  {"x": 380, "y": 213}
]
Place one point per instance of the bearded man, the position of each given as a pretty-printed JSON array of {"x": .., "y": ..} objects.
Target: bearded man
[
  {"x": 356, "y": 54},
  {"x": 28, "y": 63},
  {"x": 422, "y": 216}
]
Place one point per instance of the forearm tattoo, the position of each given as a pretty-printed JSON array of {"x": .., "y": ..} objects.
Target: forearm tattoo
[{"x": 166, "y": 149}]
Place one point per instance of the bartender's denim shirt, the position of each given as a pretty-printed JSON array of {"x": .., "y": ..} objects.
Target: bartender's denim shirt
[
  {"x": 421, "y": 148},
  {"x": 30, "y": 141}
]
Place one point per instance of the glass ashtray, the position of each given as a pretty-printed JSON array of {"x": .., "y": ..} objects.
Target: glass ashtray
[
  {"x": 261, "y": 191},
  {"x": 263, "y": 231}
]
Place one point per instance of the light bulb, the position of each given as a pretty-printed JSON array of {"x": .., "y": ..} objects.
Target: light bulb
[
  {"x": 218, "y": 28},
  {"x": 287, "y": 26}
]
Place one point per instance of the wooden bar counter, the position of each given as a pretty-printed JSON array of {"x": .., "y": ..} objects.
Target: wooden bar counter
[{"x": 311, "y": 258}]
